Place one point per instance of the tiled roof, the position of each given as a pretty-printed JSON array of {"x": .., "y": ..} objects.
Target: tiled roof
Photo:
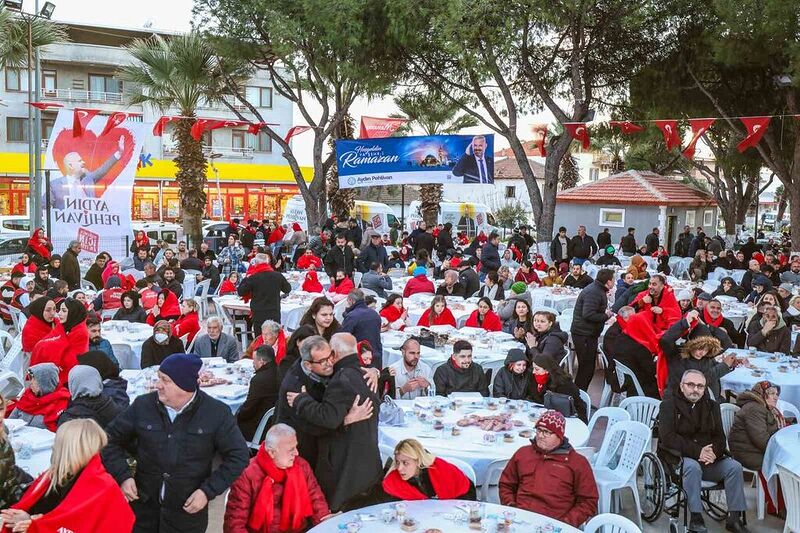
[
  {"x": 509, "y": 169},
  {"x": 635, "y": 187}
]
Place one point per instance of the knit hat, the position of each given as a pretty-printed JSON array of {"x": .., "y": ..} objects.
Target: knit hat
[
  {"x": 84, "y": 381},
  {"x": 554, "y": 422},
  {"x": 788, "y": 287},
  {"x": 705, "y": 297},
  {"x": 183, "y": 369},
  {"x": 518, "y": 287},
  {"x": 420, "y": 271},
  {"x": 46, "y": 375},
  {"x": 683, "y": 295}
]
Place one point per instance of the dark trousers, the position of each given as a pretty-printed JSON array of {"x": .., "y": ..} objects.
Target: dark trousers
[
  {"x": 586, "y": 350},
  {"x": 645, "y": 370}
]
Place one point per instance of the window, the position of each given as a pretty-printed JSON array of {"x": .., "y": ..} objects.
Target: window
[
  {"x": 259, "y": 96},
  {"x": 17, "y": 130},
  {"x": 49, "y": 80},
  {"x": 263, "y": 143},
  {"x": 17, "y": 224},
  {"x": 207, "y": 138},
  {"x": 614, "y": 218},
  {"x": 47, "y": 127},
  {"x": 237, "y": 139},
  {"x": 708, "y": 218},
  {"x": 690, "y": 216},
  {"x": 511, "y": 191},
  {"x": 594, "y": 174},
  {"x": 16, "y": 80},
  {"x": 13, "y": 246},
  {"x": 104, "y": 83}
]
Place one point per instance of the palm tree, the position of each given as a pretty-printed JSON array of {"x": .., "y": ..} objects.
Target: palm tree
[
  {"x": 434, "y": 115},
  {"x": 180, "y": 73},
  {"x": 340, "y": 200},
  {"x": 14, "y": 37}
]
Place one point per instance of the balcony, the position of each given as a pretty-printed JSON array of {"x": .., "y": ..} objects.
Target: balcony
[
  {"x": 230, "y": 152},
  {"x": 75, "y": 95},
  {"x": 235, "y": 103}
]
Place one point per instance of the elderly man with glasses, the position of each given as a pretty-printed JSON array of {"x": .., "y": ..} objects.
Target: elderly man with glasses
[{"x": 691, "y": 434}]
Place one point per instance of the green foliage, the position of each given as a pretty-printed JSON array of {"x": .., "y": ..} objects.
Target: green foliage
[
  {"x": 432, "y": 112},
  {"x": 14, "y": 37},
  {"x": 511, "y": 215}
]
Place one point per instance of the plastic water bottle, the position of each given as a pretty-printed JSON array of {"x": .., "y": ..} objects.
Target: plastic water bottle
[{"x": 432, "y": 391}]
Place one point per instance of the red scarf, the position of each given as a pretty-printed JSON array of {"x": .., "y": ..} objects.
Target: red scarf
[
  {"x": 35, "y": 329},
  {"x": 94, "y": 503},
  {"x": 541, "y": 380},
  {"x": 710, "y": 321},
  {"x": 280, "y": 351},
  {"x": 257, "y": 269},
  {"x": 447, "y": 480},
  {"x": 295, "y": 506},
  {"x": 445, "y": 319},
  {"x": 37, "y": 246},
  {"x": 227, "y": 287},
  {"x": 48, "y": 406},
  {"x": 144, "y": 242}
]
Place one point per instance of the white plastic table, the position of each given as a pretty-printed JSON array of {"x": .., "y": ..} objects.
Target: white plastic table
[
  {"x": 470, "y": 445},
  {"x": 38, "y": 441},
  {"x": 781, "y": 372},
  {"x": 781, "y": 450},
  {"x": 489, "y": 347},
  {"x": 439, "y": 514},
  {"x": 130, "y": 334}
]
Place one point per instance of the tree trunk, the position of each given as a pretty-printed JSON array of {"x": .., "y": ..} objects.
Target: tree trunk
[
  {"x": 555, "y": 154},
  {"x": 341, "y": 201},
  {"x": 430, "y": 197},
  {"x": 794, "y": 212},
  {"x": 191, "y": 178}
]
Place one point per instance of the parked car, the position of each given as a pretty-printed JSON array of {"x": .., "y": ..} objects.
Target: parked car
[
  {"x": 14, "y": 226},
  {"x": 12, "y": 248}
]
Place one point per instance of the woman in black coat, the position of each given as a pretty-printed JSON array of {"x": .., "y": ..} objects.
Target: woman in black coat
[
  {"x": 130, "y": 309},
  {"x": 547, "y": 337},
  {"x": 114, "y": 386},
  {"x": 513, "y": 381},
  {"x": 548, "y": 376},
  {"x": 161, "y": 345}
]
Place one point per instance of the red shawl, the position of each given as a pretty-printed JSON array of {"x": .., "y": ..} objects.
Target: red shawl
[
  {"x": 35, "y": 329},
  {"x": 61, "y": 348},
  {"x": 171, "y": 309},
  {"x": 491, "y": 322},
  {"x": 639, "y": 328},
  {"x": 188, "y": 323},
  {"x": 30, "y": 268},
  {"x": 280, "y": 351},
  {"x": 227, "y": 287},
  {"x": 392, "y": 314},
  {"x": 309, "y": 261},
  {"x": 530, "y": 277},
  {"x": 95, "y": 503},
  {"x": 49, "y": 406},
  {"x": 111, "y": 269},
  {"x": 276, "y": 235},
  {"x": 516, "y": 253},
  {"x": 710, "y": 321},
  {"x": 144, "y": 242},
  {"x": 295, "y": 505},
  {"x": 447, "y": 480},
  {"x": 445, "y": 319},
  {"x": 311, "y": 283},
  {"x": 670, "y": 310},
  {"x": 35, "y": 244},
  {"x": 343, "y": 287},
  {"x": 540, "y": 264},
  {"x": 257, "y": 269}
]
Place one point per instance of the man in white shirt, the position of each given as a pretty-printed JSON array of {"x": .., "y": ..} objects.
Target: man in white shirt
[{"x": 412, "y": 377}]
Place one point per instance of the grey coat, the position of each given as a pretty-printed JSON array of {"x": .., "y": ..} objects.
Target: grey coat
[
  {"x": 506, "y": 309},
  {"x": 227, "y": 348}
]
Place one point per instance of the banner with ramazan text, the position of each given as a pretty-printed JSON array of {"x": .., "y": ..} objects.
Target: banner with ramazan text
[
  {"x": 91, "y": 179},
  {"x": 429, "y": 159}
]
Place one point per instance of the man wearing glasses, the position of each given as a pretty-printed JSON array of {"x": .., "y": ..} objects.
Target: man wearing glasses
[{"x": 690, "y": 432}]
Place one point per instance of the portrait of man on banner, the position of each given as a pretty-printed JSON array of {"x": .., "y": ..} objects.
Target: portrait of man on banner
[{"x": 475, "y": 165}]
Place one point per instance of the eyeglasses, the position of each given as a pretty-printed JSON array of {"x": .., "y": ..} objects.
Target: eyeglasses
[
  {"x": 698, "y": 386},
  {"x": 328, "y": 359}
]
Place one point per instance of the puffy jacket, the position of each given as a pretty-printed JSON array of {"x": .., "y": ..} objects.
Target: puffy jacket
[
  {"x": 490, "y": 258},
  {"x": 372, "y": 254},
  {"x": 244, "y": 495},
  {"x": 418, "y": 284},
  {"x": 559, "y": 484},
  {"x": 101, "y": 409},
  {"x": 752, "y": 428},
  {"x": 590, "y": 311},
  {"x": 551, "y": 343},
  {"x": 509, "y": 385},
  {"x": 583, "y": 247}
]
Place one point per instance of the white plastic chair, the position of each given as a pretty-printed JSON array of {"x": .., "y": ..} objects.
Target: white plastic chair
[
  {"x": 261, "y": 429},
  {"x": 107, "y": 314},
  {"x": 489, "y": 490},
  {"x": 204, "y": 287},
  {"x": 463, "y": 466},
  {"x": 786, "y": 407},
  {"x": 588, "y": 401},
  {"x": 728, "y": 412},
  {"x": 615, "y": 468},
  {"x": 14, "y": 359},
  {"x": 622, "y": 372},
  {"x": 612, "y": 416},
  {"x": 495, "y": 367},
  {"x": 387, "y": 453},
  {"x": 357, "y": 279},
  {"x": 10, "y": 385},
  {"x": 338, "y": 310},
  {"x": 642, "y": 409},
  {"x": 790, "y": 483},
  {"x": 5, "y": 339},
  {"x": 88, "y": 285},
  {"x": 125, "y": 356},
  {"x": 610, "y": 523}
]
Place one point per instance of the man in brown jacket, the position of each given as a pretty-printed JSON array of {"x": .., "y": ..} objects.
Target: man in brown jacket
[{"x": 549, "y": 477}]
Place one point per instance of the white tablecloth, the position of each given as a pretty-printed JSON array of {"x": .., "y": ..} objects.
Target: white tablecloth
[
  {"x": 781, "y": 450},
  {"x": 38, "y": 442},
  {"x": 560, "y": 299},
  {"x": 439, "y": 514},
  {"x": 742, "y": 379},
  {"x": 469, "y": 446},
  {"x": 293, "y": 307},
  {"x": 130, "y": 334}
]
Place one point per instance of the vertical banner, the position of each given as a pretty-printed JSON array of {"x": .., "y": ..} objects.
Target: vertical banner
[{"x": 91, "y": 179}]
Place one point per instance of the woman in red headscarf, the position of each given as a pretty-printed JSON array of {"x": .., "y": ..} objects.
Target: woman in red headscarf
[
  {"x": 39, "y": 245},
  {"x": 311, "y": 283},
  {"x": 112, "y": 268},
  {"x": 68, "y": 339},
  {"x": 166, "y": 308},
  {"x": 540, "y": 264},
  {"x": 229, "y": 284},
  {"x": 140, "y": 242}
]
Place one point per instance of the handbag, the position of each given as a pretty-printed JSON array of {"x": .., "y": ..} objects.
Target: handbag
[
  {"x": 563, "y": 403},
  {"x": 391, "y": 414}
]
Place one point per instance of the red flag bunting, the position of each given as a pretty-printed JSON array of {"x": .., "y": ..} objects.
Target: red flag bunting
[
  {"x": 80, "y": 118},
  {"x": 756, "y": 126},
  {"x": 626, "y": 127},
  {"x": 699, "y": 127},
  {"x": 376, "y": 128},
  {"x": 43, "y": 105},
  {"x": 202, "y": 125},
  {"x": 158, "y": 127},
  {"x": 579, "y": 132},
  {"x": 295, "y": 130},
  {"x": 114, "y": 120},
  {"x": 539, "y": 138},
  {"x": 669, "y": 128},
  {"x": 255, "y": 128}
]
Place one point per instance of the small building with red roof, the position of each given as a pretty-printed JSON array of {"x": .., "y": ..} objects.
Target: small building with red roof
[{"x": 636, "y": 199}]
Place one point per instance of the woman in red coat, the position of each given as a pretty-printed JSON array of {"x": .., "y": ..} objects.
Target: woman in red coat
[
  {"x": 166, "y": 308},
  {"x": 277, "y": 492},
  {"x": 68, "y": 339},
  {"x": 484, "y": 317},
  {"x": 189, "y": 321},
  {"x": 340, "y": 287},
  {"x": 25, "y": 265},
  {"x": 419, "y": 283},
  {"x": 39, "y": 245},
  {"x": 437, "y": 314},
  {"x": 311, "y": 283},
  {"x": 75, "y": 493},
  {"x": 309, "y": 261},
  {"x": 40, "y": 324},
  {"x": 526, "y": 274},
  {"x": 394, "y": 313},
  {"x": 229, "y": 284}
]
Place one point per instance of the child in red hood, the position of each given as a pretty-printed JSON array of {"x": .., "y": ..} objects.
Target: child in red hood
[{"x": 311, "y": 283}]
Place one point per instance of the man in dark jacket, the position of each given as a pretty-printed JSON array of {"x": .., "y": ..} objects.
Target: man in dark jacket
[
  {"x": 652, "y": 242},
  {"x": 519, "y": 242},
  {"x": 340, "y": 257},
  {"x": 628, "y": 243},
  {"x": 690, "y": 432},
  {"x": 467, "y": 276},
  {"x": 265, "y": 288},
  {"x": 684, "y": 242},
  {"x": 698, "y": 243},
  {"x": 171, "y": 283},
  {"x": 424, "y": 241},
  {"x": 577, "y": 277},
  {"x": 603, "y": 239},
  {"x": 176, "y": 434},
  {"x": 590, "y": 315},
  {"x": 451, "y": 285},
  {"x": 95, "y": 272},
  {"x": 364, "y": 323},
  {"x": 490, "y": 254},
  {"x": 460, "y": 374},
  {"x": 350, "y": 463},
  {"x": 70, "y": 270},
  {"x": 753, "y": 270},
  {"x": 262, "y": 394},
  {"x": 625, "y": 348},
  {"x": 444, "y": 242},
  {"x": 583, "y": 246},
  {"x": 749, "y": 248},
  {"x": 561, "y": 247},
  {"x": 374, "y": 252},
  {"x": 353, "y": 232}
]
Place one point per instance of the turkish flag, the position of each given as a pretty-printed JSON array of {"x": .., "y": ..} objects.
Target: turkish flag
[
  {"x": 158, "y": 127},
  {"x": 579, "y": 132},
  {"x": 376, "y": 128},
  {"x": 539, "y": 138},
  {"x": 699, "y": 127},
  {"x": 295, "y": 130},
  {"x": 80, "y": 118},
  {"x": 669, "y": 128},
  {"x": 43, "y": 105},
  {"x": 255, "y": 127},
  {"x": 114, "y": 120},
  {"x": 756, "y": 126},
  {"x": 626, "y": 127},
  {"x": 202, "y": 125}
]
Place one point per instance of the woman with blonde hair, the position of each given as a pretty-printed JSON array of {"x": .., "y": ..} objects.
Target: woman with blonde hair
[
  {"x": 416, "y": 474},
  {"x": 75, "y": 493}
]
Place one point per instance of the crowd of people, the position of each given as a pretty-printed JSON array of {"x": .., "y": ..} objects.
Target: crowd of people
[{"x": 150, "y": 464}]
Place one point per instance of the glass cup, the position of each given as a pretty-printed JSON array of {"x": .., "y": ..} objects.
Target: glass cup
[
  {"x": 387, "y": 515},
  {"x": 400, "y": 510}
]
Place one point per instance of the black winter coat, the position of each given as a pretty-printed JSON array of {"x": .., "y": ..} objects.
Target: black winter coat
[
  {"x": 444, "y": 243},
  {"x": 470, "y": 280},
  {"x": 101, "y": 409},
  {"x": 424, "y": 241},
  {"x": 117, "y": 390},
  {"x": 628, "y": 244},
  {"x": 551, "y": 343},
  {"x": 71, "y": 271},
  {"x": 556, "y": 254},
  {"x": 339, "y": 259},
  {"x": 177, "y": 455},
  {"x": 490, "y": 258},
  {"x": 373, "y": 254},
  {"x": 349, "y": 463},
  {"x": 261, "y": 397},
  {"x": 448, "y": 378},
  {"x": 590, "y": 311},
  {"x": 153, "y": 353},
  {"x": 583, "y": 248},
  {"x": 135, "y": 314},
  {"x": 265, "y": 290},
  {"x": 509, "y": 385},
  {"x": 688, "y": 430}
]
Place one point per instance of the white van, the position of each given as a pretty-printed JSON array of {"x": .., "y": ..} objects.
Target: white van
[
  {"x": 166, "y": 231},
  {"x": 464, "y": 216},
  {"x": 379, "y": 216}
]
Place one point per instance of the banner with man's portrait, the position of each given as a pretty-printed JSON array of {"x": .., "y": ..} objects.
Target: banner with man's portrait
[
  {"x": 92, "y": 169},
  {"x": 429, "y": 159}
]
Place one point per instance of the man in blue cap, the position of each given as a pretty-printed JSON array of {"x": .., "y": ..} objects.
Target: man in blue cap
[{"x": 177, "y": 431}]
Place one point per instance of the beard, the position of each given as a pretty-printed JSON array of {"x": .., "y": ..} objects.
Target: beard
[{"x": 412, "y": 364}]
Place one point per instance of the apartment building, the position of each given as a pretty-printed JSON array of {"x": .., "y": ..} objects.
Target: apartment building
[{"x": 249, "y": 177}]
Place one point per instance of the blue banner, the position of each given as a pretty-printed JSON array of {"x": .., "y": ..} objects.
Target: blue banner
[{"x": 430, "y": 159}]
